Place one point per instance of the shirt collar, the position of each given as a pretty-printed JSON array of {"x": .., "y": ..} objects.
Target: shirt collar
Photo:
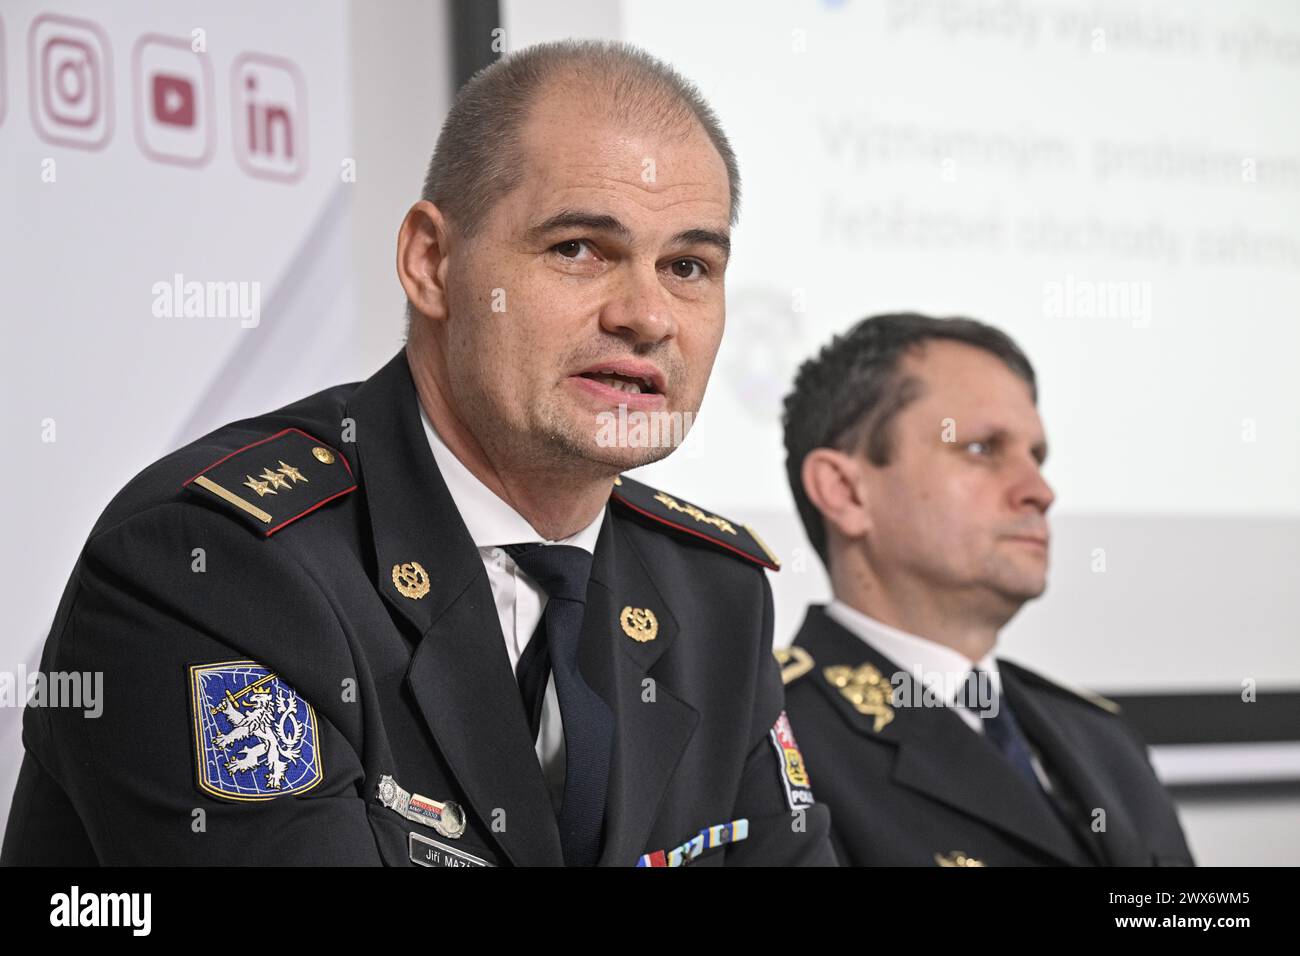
[
  {"x": 490, "y": 520},
  {"x": 912, "y": 653}
]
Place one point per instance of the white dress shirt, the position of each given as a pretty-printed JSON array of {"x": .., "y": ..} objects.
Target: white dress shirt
[
  {"x": 520, "y": 602},
  {"x": 943, "y": 670}
]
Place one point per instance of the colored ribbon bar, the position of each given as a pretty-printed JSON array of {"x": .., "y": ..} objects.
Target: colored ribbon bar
[{"x": 706, "y": 839}]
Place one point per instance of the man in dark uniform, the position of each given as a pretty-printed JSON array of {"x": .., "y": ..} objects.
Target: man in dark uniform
[
  {"x": 423, "y": 619},
  {"x": 914, "y": 451}
]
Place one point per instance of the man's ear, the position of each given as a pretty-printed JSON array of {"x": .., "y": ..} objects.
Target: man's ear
[
  {"x": 422, "y": 259},
  {"x": 833, "y": 482}
]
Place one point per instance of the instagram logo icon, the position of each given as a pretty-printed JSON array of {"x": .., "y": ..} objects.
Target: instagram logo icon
[
  {"x": 269, "y": 113},
  {"x": 71, "y": 82}
]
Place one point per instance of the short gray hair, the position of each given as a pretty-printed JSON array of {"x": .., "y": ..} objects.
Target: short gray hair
[{"x": 477, "y": 159}]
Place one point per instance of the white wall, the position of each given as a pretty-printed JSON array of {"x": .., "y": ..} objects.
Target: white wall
[{"x": 79, "y": 257}]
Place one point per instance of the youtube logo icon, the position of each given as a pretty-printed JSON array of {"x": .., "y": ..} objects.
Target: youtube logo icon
[
  {"x": 174, "y": 121},
  {"x": 173, "y": 100}
]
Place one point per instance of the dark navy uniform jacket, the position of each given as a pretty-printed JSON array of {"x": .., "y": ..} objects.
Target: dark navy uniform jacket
[
  {"x": 915, "y": 786},
  {"x": 334, "y": 562}
]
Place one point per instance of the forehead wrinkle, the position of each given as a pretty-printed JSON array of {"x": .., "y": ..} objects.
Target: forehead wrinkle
[
  {"x": 612, "y": 182},
  {"x": 721, "y": 225},
  {"x": 571, "y": 158}
]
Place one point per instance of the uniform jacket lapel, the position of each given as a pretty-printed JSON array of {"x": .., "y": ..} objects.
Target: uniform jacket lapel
[
  {"x": 1063, "y": 754},
  {"x": 460, "y": 675},
  {"x": 652, "y": 734},
  {"x": 937, "y": 754}
]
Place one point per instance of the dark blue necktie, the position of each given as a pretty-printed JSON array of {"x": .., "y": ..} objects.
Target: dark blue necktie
[
  {"x": 1000, "y": 725},
  {"x": 562, "y": 571},
  {"x": 532, "y": 674}
]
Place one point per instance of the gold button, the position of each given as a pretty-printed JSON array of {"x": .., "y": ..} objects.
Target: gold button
[{"x": 323, "y": 455}]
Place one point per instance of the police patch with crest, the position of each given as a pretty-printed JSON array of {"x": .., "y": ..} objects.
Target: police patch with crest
[
  {"x": 254, "y": 737},
  {"x": 794, "y": 775}
]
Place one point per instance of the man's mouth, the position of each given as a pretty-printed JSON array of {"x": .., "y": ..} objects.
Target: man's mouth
[
  {"x": 633, "y": 385},
  {"x": 627, "y": 375},
  {"x": 636, "y": 384}
]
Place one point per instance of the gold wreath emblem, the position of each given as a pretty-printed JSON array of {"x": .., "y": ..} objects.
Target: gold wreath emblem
[
  {"x": 866, "y": 689},
  {"x": 639, "y": 623},
  {"x": 411, "y": 580}
]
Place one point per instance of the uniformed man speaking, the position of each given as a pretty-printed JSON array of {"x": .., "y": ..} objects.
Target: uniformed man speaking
[
  {"x": 422, "y": 619},
  {"x": 914, "y": 451}
]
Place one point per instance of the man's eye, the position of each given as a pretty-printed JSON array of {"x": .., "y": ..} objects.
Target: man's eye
[
  {"x": 979, "y": 447},
  {"x": 682, "y": 268},
  {"x": 570, "y": 248}
]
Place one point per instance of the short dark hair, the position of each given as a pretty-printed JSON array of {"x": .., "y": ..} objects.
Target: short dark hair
[
  {"x": 476, "y": 160},
  {"x": 848, "y": 394}
]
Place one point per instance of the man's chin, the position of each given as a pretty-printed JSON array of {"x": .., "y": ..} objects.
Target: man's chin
[
  {"x": 609, "y": 450},
  {"x": 627, "y": 458},
  {"x": 1015, "y": 585},
  {"x": 623, "y": 440},
  {"x": 1024, "y": 589}
]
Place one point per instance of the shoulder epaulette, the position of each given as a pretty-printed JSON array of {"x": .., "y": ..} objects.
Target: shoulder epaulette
[
  {"x": 1091, "y": 697},
  {"x": 794, "y": 661},
  {"x": 276, "y": 480},
  {"x": 739, "y": 539}
]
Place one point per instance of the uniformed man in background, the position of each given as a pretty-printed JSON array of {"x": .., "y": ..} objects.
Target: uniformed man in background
[
  {"x": 422, "y": 618},
  {"x": 914, "y": 451}
]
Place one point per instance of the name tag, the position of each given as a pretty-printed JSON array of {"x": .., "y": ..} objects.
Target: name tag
[{"x": 426, "y": 852}]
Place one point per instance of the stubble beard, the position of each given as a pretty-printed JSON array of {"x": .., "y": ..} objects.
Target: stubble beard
[{"x": 570, "y": 446}]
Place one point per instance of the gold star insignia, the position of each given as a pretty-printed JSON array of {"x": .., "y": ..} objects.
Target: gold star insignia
[
  {"x": 291, "y": 472},
  {"x": 261, "y": 487},
  {"x": 276, "y": 480}
]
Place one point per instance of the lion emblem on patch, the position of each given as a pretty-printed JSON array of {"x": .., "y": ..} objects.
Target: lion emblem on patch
[{"x": 255, "y": 738}]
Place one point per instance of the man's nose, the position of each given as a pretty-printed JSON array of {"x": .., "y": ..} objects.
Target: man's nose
[
  {"x": 1032, "y": 488},
  {"x": 639, "y": 310}
]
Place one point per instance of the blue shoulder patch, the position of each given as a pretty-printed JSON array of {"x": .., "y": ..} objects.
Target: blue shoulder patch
[{"x": 254, "y": 737}]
